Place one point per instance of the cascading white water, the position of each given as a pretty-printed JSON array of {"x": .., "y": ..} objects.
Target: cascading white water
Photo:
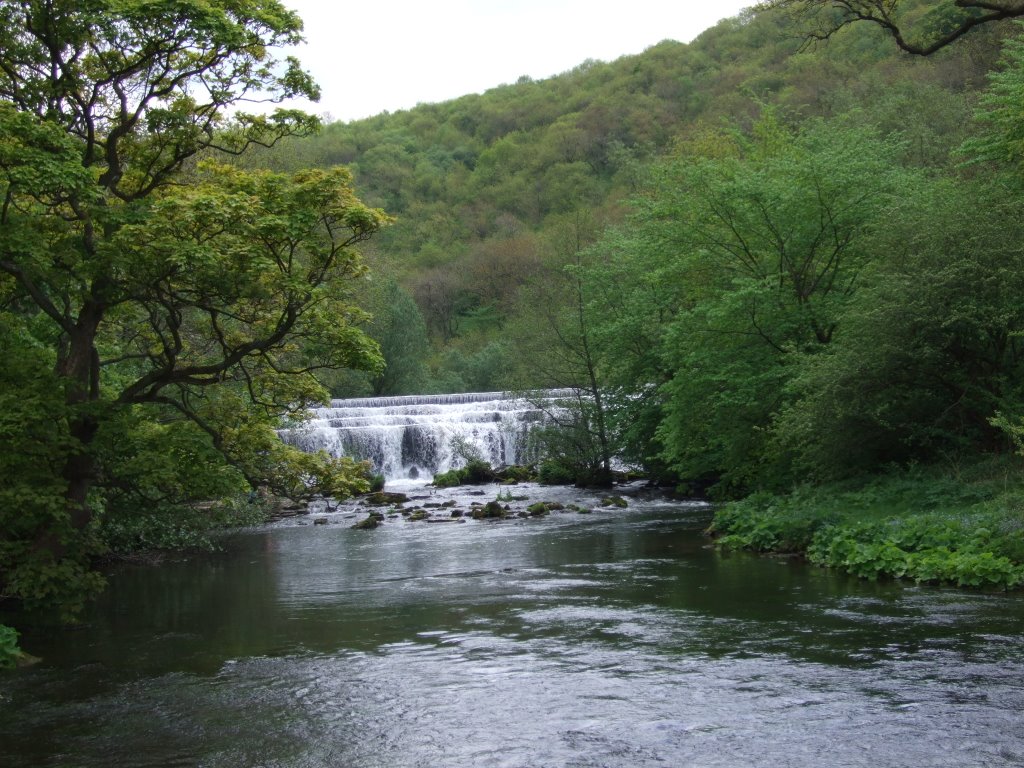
[{"x": 419, "y": 435}]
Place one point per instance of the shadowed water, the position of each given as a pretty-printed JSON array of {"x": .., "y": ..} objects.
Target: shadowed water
[{"x": 611, "y": 639}]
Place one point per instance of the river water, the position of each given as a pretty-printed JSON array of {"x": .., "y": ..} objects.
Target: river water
[{"x": 616, "y": 638}]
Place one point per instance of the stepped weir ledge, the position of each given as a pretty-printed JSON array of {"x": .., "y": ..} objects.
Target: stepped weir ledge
[{"x": 417, "y": 436}]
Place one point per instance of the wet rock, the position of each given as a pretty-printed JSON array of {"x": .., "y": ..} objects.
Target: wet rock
[
  {"x": 456, "y": 513},
  {"x": 614, "y": 501},
  {"x": 491, "y": 509},
  {"x": 383, "y": 498},
  {"x": 371, "y": 522},
  {"x": 320, "y": 521}
]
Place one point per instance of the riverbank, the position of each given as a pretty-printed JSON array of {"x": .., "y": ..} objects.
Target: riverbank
[{"x": 925, "y": 524}]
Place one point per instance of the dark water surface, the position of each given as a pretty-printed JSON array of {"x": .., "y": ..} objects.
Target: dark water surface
[{"x": 611, "y": 639}]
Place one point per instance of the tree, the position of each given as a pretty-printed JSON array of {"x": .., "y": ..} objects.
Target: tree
[
  {"x": 751, "y": 256},
  {"x": 930, "y": 351},
  {"x": 151, "y": 280},
  {"x": 399, "y": 329},
  {"x": 915, "y": 32},
  {"x": 1001, "y": 138},
  {"x": 556, "y": 332}
]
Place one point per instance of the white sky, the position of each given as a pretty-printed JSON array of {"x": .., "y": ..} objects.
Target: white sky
[{"x": 394, "y": 54}]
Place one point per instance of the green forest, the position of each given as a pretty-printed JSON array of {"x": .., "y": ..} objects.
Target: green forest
[{"x": 784, "y": 265}]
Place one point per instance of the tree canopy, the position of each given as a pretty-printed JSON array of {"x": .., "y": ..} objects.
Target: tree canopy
[
  {"x": 917, "y": 28},
  {"x": 145, "y": 276}
]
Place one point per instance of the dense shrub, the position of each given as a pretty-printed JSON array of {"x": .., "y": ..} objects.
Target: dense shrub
[{"x": 918, "y": 526}]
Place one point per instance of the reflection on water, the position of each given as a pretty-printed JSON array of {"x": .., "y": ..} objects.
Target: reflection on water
[{"x": 612, "y": 639}]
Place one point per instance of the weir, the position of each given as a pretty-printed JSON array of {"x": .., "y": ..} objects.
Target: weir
[{"x": 421, "y": 435}]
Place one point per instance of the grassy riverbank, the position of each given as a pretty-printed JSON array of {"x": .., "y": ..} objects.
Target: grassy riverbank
[{"x": 928, "y": 525}]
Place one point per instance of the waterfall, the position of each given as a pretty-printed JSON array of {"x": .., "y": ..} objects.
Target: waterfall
[{"x": 418, "y": 435}]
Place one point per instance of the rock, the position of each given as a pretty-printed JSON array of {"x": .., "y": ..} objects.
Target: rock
[
  {"x": 491, "y": 509},
  {"x": 456, "y": 513},
  {"x": 369, "y": 523},
  {"x": 320, "y": 521},
  {"x": 383, "y": 498},
  {"x": 614, "y": 501}
]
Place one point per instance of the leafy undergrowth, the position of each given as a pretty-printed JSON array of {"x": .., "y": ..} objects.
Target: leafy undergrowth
[
  {"x": 178, "y": 527},
  {"x": 919, "y": 525},
  {"x": 9, "y": 651}
]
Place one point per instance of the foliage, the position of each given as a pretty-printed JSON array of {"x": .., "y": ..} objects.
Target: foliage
[
  {"x": 144, "y": 286},
  {"x": 475, "y": 472},
  {"x": 179, "y": 527},
  {"x": 484, "y": 185},
  {"x": 923, "y": 526},
  {"x": 929, "y": 354},
  {"x": 448, "y": 479},
  {"x": 750, "y": 260},
  {"x": 918, "y": 28},
  {"x": 9, "y": 650},
  {"x": 1001, "y": 138},
  {"x": 555, "y": 471},
  {"x": 42, "y": 557}
]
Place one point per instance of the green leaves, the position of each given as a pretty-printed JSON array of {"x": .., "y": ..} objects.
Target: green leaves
[
  {"x": 895, "y": 527},
  {"x": 1000, "y": 114},
  {"x": 9, "y": 650},
  {"x": 145, "y": 288},
  {"x": 752, "y": 258}
]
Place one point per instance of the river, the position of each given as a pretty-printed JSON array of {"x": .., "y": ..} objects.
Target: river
[{"x": 616, "y": 638}]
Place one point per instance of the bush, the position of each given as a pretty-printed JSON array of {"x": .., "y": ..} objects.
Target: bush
[
  {"x": 178, "y": 527},
  {"x": 476, "y": 472},
  {"x": 448, "y": 479},
  {"x": 555, "y": 473},
  {"x": 9, "y": 650},
  {"x": 912, "y": 525}
]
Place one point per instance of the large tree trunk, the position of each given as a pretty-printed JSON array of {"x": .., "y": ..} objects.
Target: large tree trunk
[{"x": 78, "y": 365}]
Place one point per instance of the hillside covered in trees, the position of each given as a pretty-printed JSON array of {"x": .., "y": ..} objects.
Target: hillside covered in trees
[
  {"x": 783, "y": 256},
  {"x": 787, "y": 255},
  {"x": 791, "y": 223},
  {"x": 491, "y": 190}
]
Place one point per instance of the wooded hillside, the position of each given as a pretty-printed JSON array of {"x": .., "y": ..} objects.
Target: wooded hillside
[{"x": 485, "y": 187}]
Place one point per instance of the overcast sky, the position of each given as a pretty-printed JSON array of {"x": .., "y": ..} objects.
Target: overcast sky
[{"x": 393, "y": 54}]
